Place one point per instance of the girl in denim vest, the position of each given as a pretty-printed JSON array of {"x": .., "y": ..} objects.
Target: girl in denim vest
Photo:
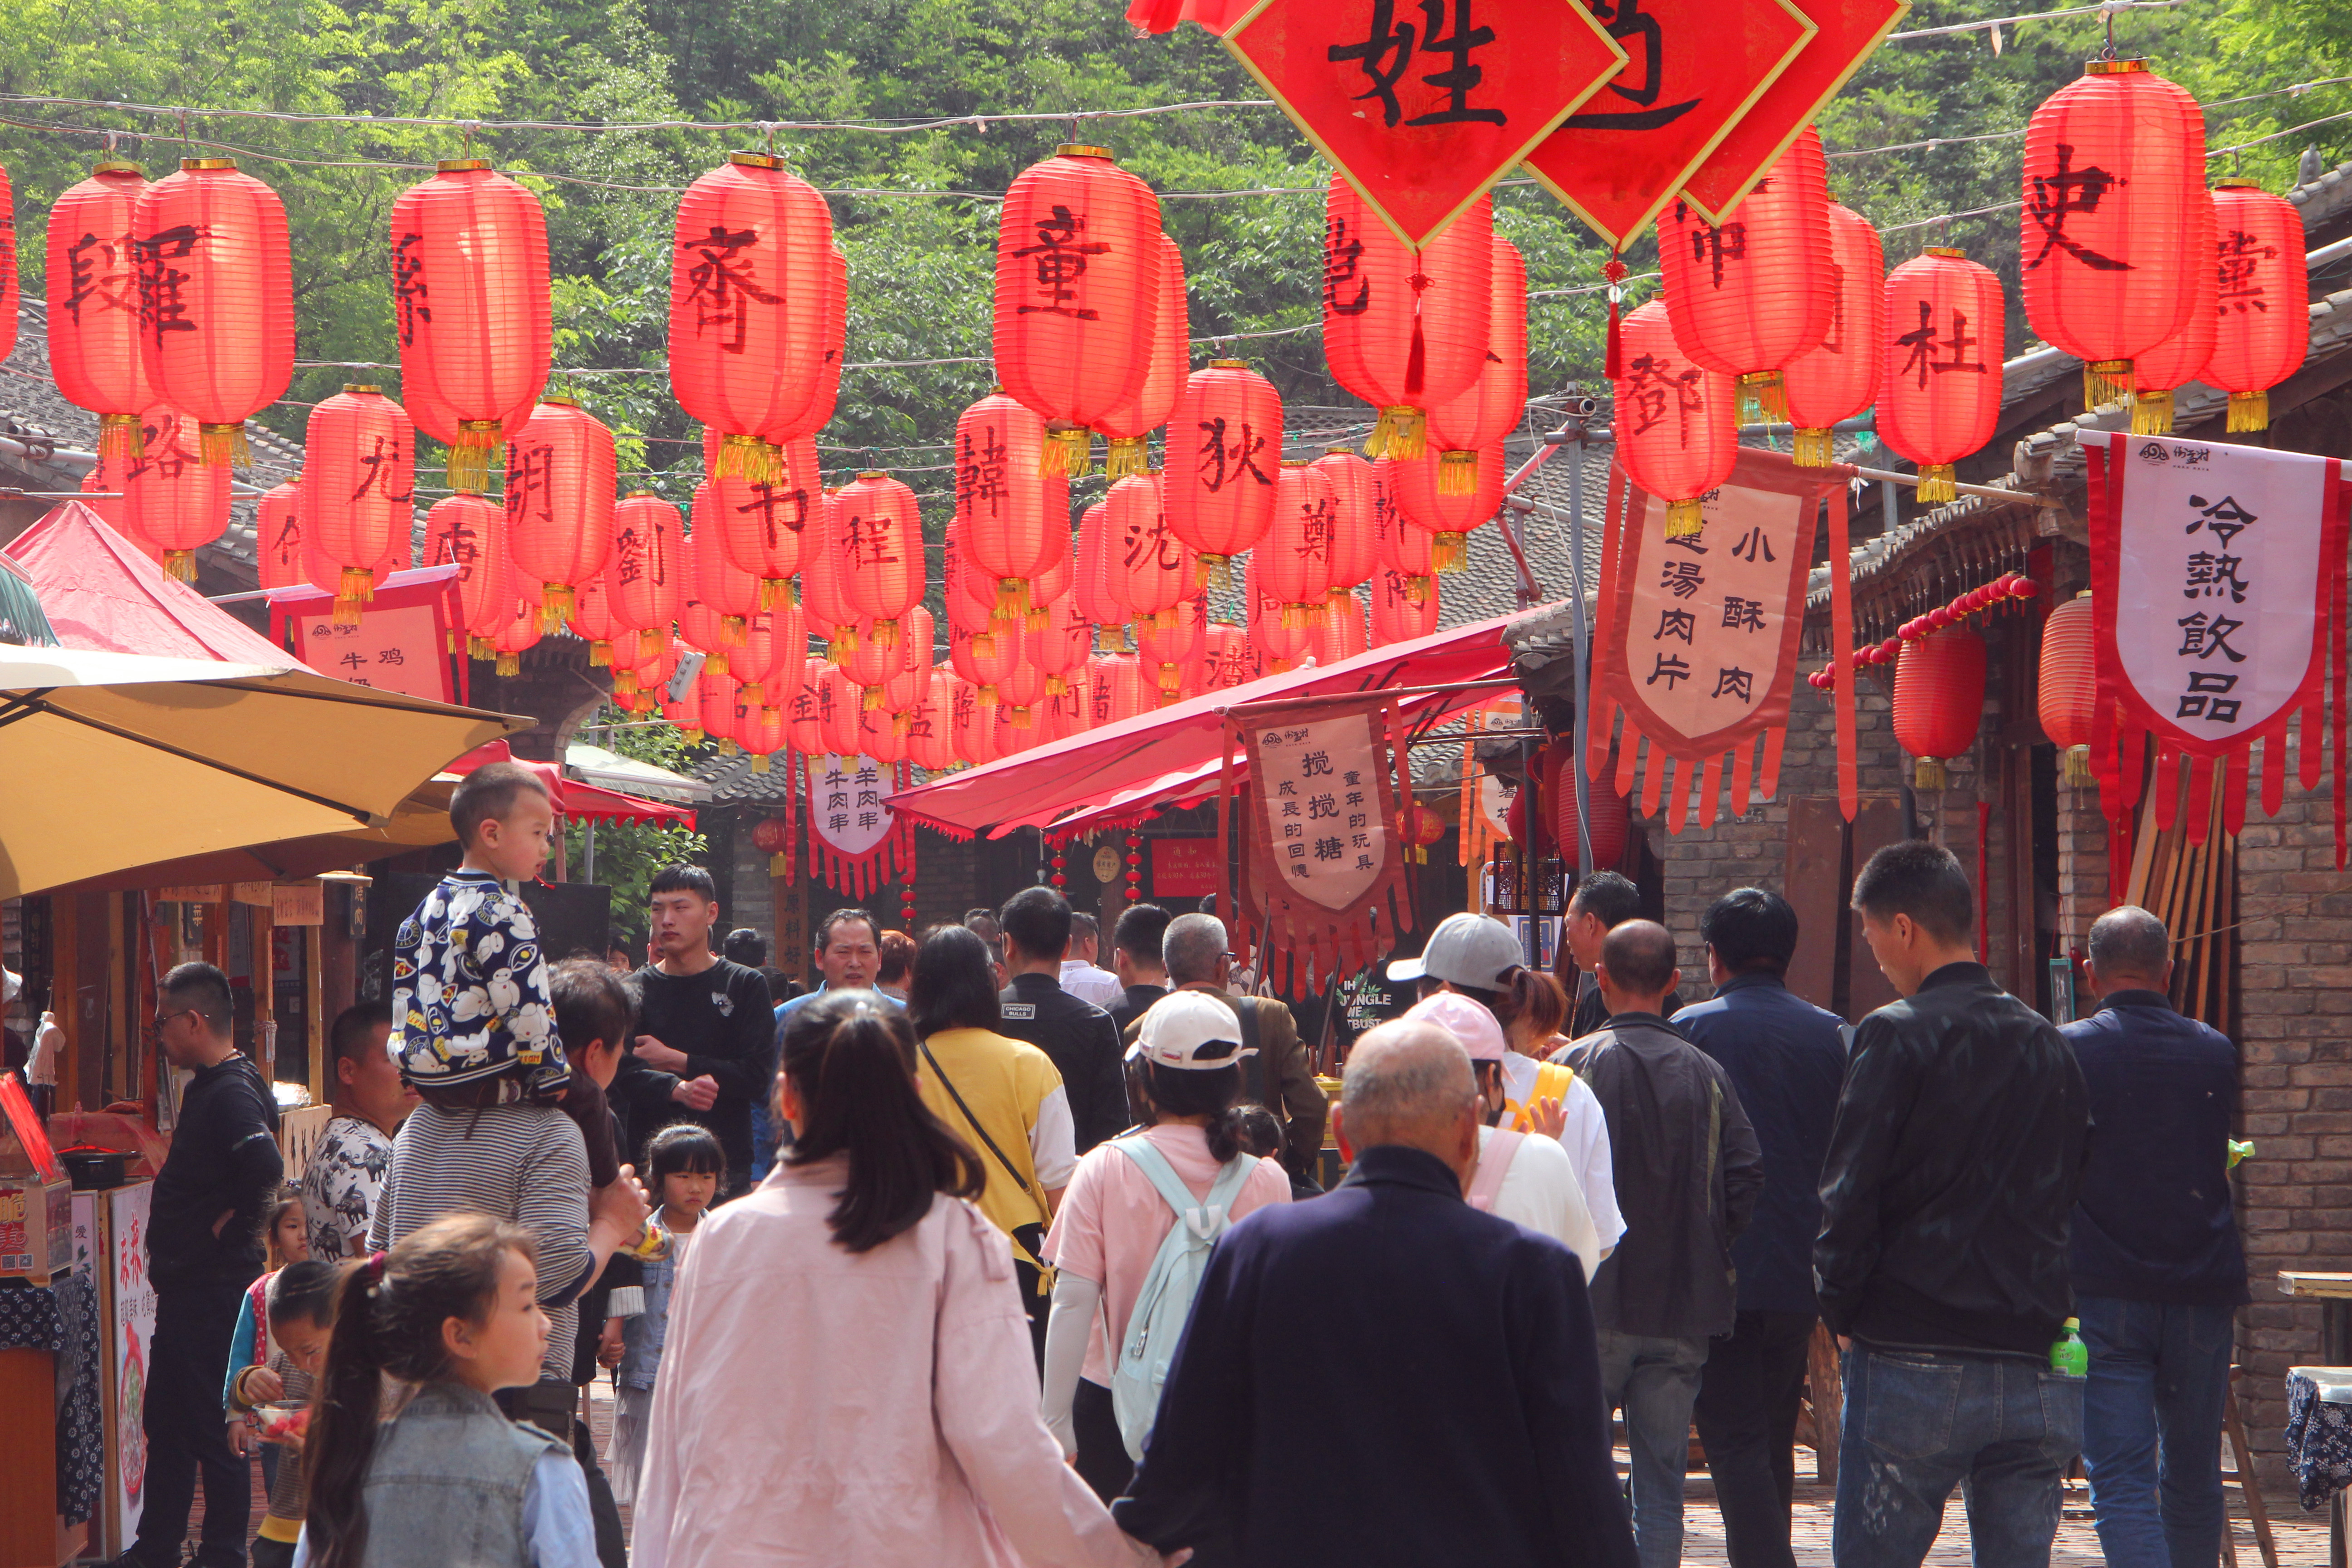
[
  {"x": 684, "y": 1165},
  {"x": 452, "y": 1314}
]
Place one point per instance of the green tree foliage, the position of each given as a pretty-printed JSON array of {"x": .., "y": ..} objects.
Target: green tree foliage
[{"x": 629, "y": 853}]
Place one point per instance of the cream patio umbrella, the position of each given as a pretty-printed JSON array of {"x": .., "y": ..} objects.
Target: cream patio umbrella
[{"x": 109, "y": 760}]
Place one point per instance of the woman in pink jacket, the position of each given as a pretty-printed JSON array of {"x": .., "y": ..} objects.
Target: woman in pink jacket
[{"x": 848, "y": 1376}]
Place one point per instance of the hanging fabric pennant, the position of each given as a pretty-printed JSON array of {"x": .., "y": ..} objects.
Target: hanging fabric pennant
[
  {"x": 1325, "y": 870},
  {"x": 857, "y": 843},
  {"x": 2232, "y": 562},
  {"x": 1698, "y": 642},
  {"x": 1482, "y": 797}
]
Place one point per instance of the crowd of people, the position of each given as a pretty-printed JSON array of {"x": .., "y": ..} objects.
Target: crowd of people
[{"x": 981, "y": 1253}]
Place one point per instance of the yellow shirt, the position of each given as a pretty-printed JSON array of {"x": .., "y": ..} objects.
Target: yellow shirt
[{"x": 1014, "y": 1093}]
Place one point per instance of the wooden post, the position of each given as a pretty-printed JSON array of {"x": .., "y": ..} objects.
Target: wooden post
[
  {"x": 260, "y": 922},
  {"x": 314, "y": 990},
  {"x": 65, "y": 994},
  {"x": 121, "y": 1082}
]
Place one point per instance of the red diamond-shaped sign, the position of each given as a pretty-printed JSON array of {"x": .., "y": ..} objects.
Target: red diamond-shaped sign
[
  {"x": 1698, "y": 65},
  {"x": 1850, "y": 30},
  {"x": 1425, "y": 105}
]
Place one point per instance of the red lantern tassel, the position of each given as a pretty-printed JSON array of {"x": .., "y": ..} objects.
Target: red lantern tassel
[{"x": 1613, "y": 271}]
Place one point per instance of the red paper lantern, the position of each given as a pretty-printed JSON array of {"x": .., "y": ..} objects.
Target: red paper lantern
[
  {"x": 471, "y": 533},
  {"x": 970, "y": 592},
  {"x": 759, "y": 730},
  {"x": 1219, "y": 483},
  {"x": 1941, "y": 398},
  {"x": 516, "y": 632},
  {"x": 1355, "y": 547},
  {"x": 1674, "y": 433},
  {"x": 1059, "y": 649},
  {"x": 1227, "y": 661},
  {"x": 823, "y": 390},
  {"x": 1143, "y": 564},
  {"x": 772, "y": 836},
  {"x": 560, "y": 501},
  {"x": 2115, "y": 173},
  {"x": 1116, "y": 690},
  {"x": 359, "y": 482},
  {"x": 1839, "y": 378},
  {"x": 763, "y": 523},
  {"x": 94, "y": 300},
  {"x": 985, "y": 666},
  {"x": 1491, "y": 408},
  {"x": 774, "y": 642},
  {"x": 2067, "y": 688},
  {"x": 882, "y": 551},
  {"x": 1399, "y": 614},
  {"x": 646, "y": 573},
  {"x": 592, "y": 620},
  {"x": 1606, "y": 811},
  {"x": 1171, "y": 357},
  {"x": 1747, "y": 298},
  {"x": 1939, "y": 689},
  {"x": 684, "y": 711},
  {"x": 1401, "y": 549},
  {"x": 807, "y": 698},
  {"x": 1170, "y": 646},
  {"x": 470, "y": 309},
  {"x": 1054, "y": 582},
  {"x": 747, "y": 308},
  {"x": 1021, "y": 690},
  {"x": 1423, "y": 499},
  {"x": 1278, "y": 644},
  {"x": 904, "y": 691},
  {"x": 278, "y": 536},
  {"x": 1292, "y": 564},
  {"x": 870, "y": 663},
  {"x": 1077, "y": 291},
  {"x": 1417, "y": 828},
  {"x": 930, "y": 727},
  {"x": 1014, "y": 513},
  {"x": 172, "y": 503},
  {"x": 1338, "y": 629},
  {"x": 721, "y": 708},
  {"x": 1090, "y": 583},
  {"x": 731, "y": 594},
  {"x": 842, "y": 711},
  {"x": 1404, "y": 329},
  {"x": 2180, "y": 358},
  {"x": 2261, "y": 321},
  {"x": 215, "y": 299},
  {"x": 971, "y": 725}
]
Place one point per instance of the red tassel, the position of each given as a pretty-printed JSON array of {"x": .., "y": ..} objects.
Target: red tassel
[{"x": 1614, "y": 365}]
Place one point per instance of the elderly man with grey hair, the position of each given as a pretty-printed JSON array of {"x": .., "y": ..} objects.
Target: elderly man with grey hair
[
  {"x": 2158, "y": 1267},
  {"x": 1386, "y": 1375},
  {"x": 1281, "y": 1075}
]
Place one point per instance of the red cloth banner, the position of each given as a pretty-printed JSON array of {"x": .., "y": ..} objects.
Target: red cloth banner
[
  {"x": 1184, "y": 867},
  {"x": 1423, "y": 107},
  {"x": 1698, "y": 641},
  {"x": 857, "y": 843},
  {"x": 1325, "y": 873},
  {"x": 2231, "y": 562}
]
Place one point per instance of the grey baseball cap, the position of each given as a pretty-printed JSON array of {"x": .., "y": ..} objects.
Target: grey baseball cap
[{"x": 1466, "y": 950}]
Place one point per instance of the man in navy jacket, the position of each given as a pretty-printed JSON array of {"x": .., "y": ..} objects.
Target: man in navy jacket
[
  {"x": 1786, "y": 1059},
  {"x": 2158, "y": 1270},
  {"x": 1385, "y": 1375}
]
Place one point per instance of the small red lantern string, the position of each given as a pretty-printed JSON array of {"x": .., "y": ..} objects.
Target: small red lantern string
[
  {"x": 1134, "y": 866},
  {"x": 1061, "y": 863},
  {"x": 1976, "y": 601}
]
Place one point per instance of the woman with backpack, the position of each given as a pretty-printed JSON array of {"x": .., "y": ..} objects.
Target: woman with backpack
[
  {"x": 1134, "y": 1230},
  {"x": 843, "y": 1378}
]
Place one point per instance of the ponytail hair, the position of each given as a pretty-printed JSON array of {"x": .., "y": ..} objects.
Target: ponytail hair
[
  {"x": 390, "y": 1309},
  {"x": 1213, "y": 1092},
  {"x": 1529, "y": 996},
  {"x": 850, "y": 1057}
]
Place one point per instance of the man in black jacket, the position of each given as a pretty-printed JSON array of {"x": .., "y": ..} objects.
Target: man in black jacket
[
  {"x": 1078, "y": 1036},
  {"x": 1385, "y": 1375},
  {"x": 2158, "y": 1270},
  {"x": 204, "y": 1248},
  {"x": 1687, "y": 1171},
  {"x": 1942, "y": 1260},
  {"x": 1136, "y": 959}
]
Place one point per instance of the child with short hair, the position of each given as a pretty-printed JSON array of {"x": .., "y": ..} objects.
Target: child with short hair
[
  {"x": 453, "y": 1312},
  {"x": 475, "y": 1029},
  {"x": 300, "y": 1312},
  {"x": 684, "y": 1168}
]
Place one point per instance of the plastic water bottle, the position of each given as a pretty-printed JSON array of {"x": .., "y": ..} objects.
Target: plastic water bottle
[
  {"x": 2070, "y": 1354},
  {"x": 2240, "y": 1150}
]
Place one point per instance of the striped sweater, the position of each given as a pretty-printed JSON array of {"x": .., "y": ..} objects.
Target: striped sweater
[{"x": 519, "y": 1163}]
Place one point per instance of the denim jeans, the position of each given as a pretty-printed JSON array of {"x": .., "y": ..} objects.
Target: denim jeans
[
  {"x": 1747, "y": 1413},
  {"x": 1655, "y": 1380},
  {"x": 1919, "y": 1422},
  {"x": 2152, "y": 1429}
]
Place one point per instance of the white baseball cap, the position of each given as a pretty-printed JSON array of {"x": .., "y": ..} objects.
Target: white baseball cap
[
  {"x": 1467, "y": 950},
  {"x": 1471, "y": 1024},
  {"x": 1181, "y": 1024}
]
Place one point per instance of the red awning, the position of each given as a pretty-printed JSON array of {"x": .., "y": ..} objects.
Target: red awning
[
  {"x": 1114, "y": 769},
  {"x": 102, "y": 593},
  {"x": 573, "y": 798}
]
